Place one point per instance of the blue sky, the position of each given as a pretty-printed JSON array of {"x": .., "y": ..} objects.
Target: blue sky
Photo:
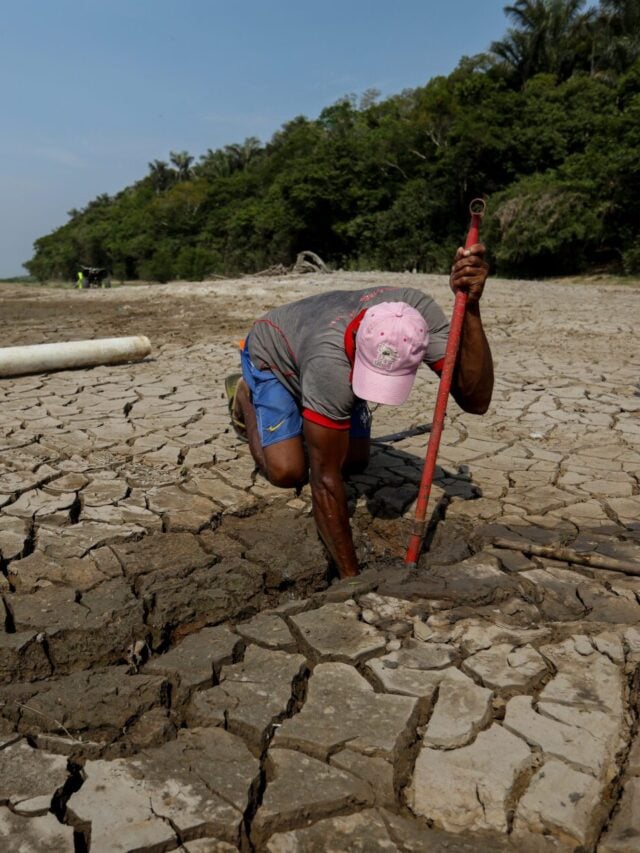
[{"x": 92, "y": 90}]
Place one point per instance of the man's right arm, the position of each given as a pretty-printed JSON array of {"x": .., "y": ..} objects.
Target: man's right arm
[
  {"x": 327, "y": 453},
  {"x": 473, "y": 377}
]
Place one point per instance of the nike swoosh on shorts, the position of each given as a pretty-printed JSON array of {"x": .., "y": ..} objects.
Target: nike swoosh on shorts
[{"x": 277, "y": 426}]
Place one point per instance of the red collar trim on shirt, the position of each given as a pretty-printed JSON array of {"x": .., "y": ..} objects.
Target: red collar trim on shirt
[{"x": 350, "y": 337}]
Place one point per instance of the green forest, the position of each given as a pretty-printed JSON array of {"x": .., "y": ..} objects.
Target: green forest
[{"x": 545, "y": 125}]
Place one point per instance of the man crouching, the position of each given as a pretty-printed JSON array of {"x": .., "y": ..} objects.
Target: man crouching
[{"x": 310, "y": 367}]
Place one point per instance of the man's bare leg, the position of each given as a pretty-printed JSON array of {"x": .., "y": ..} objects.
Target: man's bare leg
[
  {"x": 243, "y": 411},
  {"x": 284, "y": 463}
]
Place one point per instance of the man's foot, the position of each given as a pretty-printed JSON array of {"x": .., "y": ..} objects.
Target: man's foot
[{"x": 230, "y": 388}]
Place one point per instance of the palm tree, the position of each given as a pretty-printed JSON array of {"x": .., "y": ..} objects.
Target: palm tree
[
  {"x": 160, "y": 175},
  {"x": 223, "y": 162},
  {"x": 618, "y": 28},
  {"x": 182, "y": 160},
  {"x": 548, "y": 37},
  {"x": 242, "y": 154},
  {"x": 214, "y": 164}
]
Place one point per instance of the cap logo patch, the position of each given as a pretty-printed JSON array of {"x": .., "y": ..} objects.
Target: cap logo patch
[{"x": 386, "y": 356}]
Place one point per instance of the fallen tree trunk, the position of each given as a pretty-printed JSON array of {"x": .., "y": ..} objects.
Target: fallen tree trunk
[
  {"x": 568, "y": 555},
  {"x": 309, "y": 262}
]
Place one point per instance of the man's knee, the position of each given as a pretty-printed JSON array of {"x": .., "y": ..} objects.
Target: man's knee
[
  {"x": 285, "y": 463},
  {"x": 286, "y": 476}
]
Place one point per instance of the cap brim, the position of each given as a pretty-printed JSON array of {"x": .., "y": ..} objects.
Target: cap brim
[{"x": 391, "y": 389}]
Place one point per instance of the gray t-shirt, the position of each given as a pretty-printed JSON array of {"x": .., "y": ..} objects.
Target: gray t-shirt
[{"x": 303, "y": 344}]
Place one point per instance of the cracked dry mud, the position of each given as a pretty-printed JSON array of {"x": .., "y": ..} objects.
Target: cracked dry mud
[{"x": 176, "y": 671}]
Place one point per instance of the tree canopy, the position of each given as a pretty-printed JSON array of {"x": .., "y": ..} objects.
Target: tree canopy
[{"x": 545, "y": 125}]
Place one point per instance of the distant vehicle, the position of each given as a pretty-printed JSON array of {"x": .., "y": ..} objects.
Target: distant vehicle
[{"x": 94, "y": 277}]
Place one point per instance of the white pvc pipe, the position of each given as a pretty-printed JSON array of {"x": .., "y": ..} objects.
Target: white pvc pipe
[{"x": 41, "y": 358}]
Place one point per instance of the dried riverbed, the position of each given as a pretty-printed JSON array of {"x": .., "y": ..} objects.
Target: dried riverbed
[{"x": 177, "y": 672}]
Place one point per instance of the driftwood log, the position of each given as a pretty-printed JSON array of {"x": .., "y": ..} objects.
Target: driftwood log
[
  {"x": 306, "y": 262},
  {"x": 309, "y": 262},
  {"x": 568, "y": 555}
]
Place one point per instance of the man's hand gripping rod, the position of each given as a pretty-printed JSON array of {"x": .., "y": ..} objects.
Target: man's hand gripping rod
[{"x": 476, "y": 209}]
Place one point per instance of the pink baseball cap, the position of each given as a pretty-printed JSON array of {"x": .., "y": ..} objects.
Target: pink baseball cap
[{"x": 390, "y": 345}]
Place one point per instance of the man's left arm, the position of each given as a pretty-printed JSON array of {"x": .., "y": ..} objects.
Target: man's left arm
[
  {"x": 472, "y": 385},
  {"x": 328, "y": 449}
]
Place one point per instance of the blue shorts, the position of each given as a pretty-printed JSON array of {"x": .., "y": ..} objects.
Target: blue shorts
[{"x": 278, "y": 413}]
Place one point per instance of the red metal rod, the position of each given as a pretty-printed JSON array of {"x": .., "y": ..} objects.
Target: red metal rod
[{"x": 476, "y": 208}]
